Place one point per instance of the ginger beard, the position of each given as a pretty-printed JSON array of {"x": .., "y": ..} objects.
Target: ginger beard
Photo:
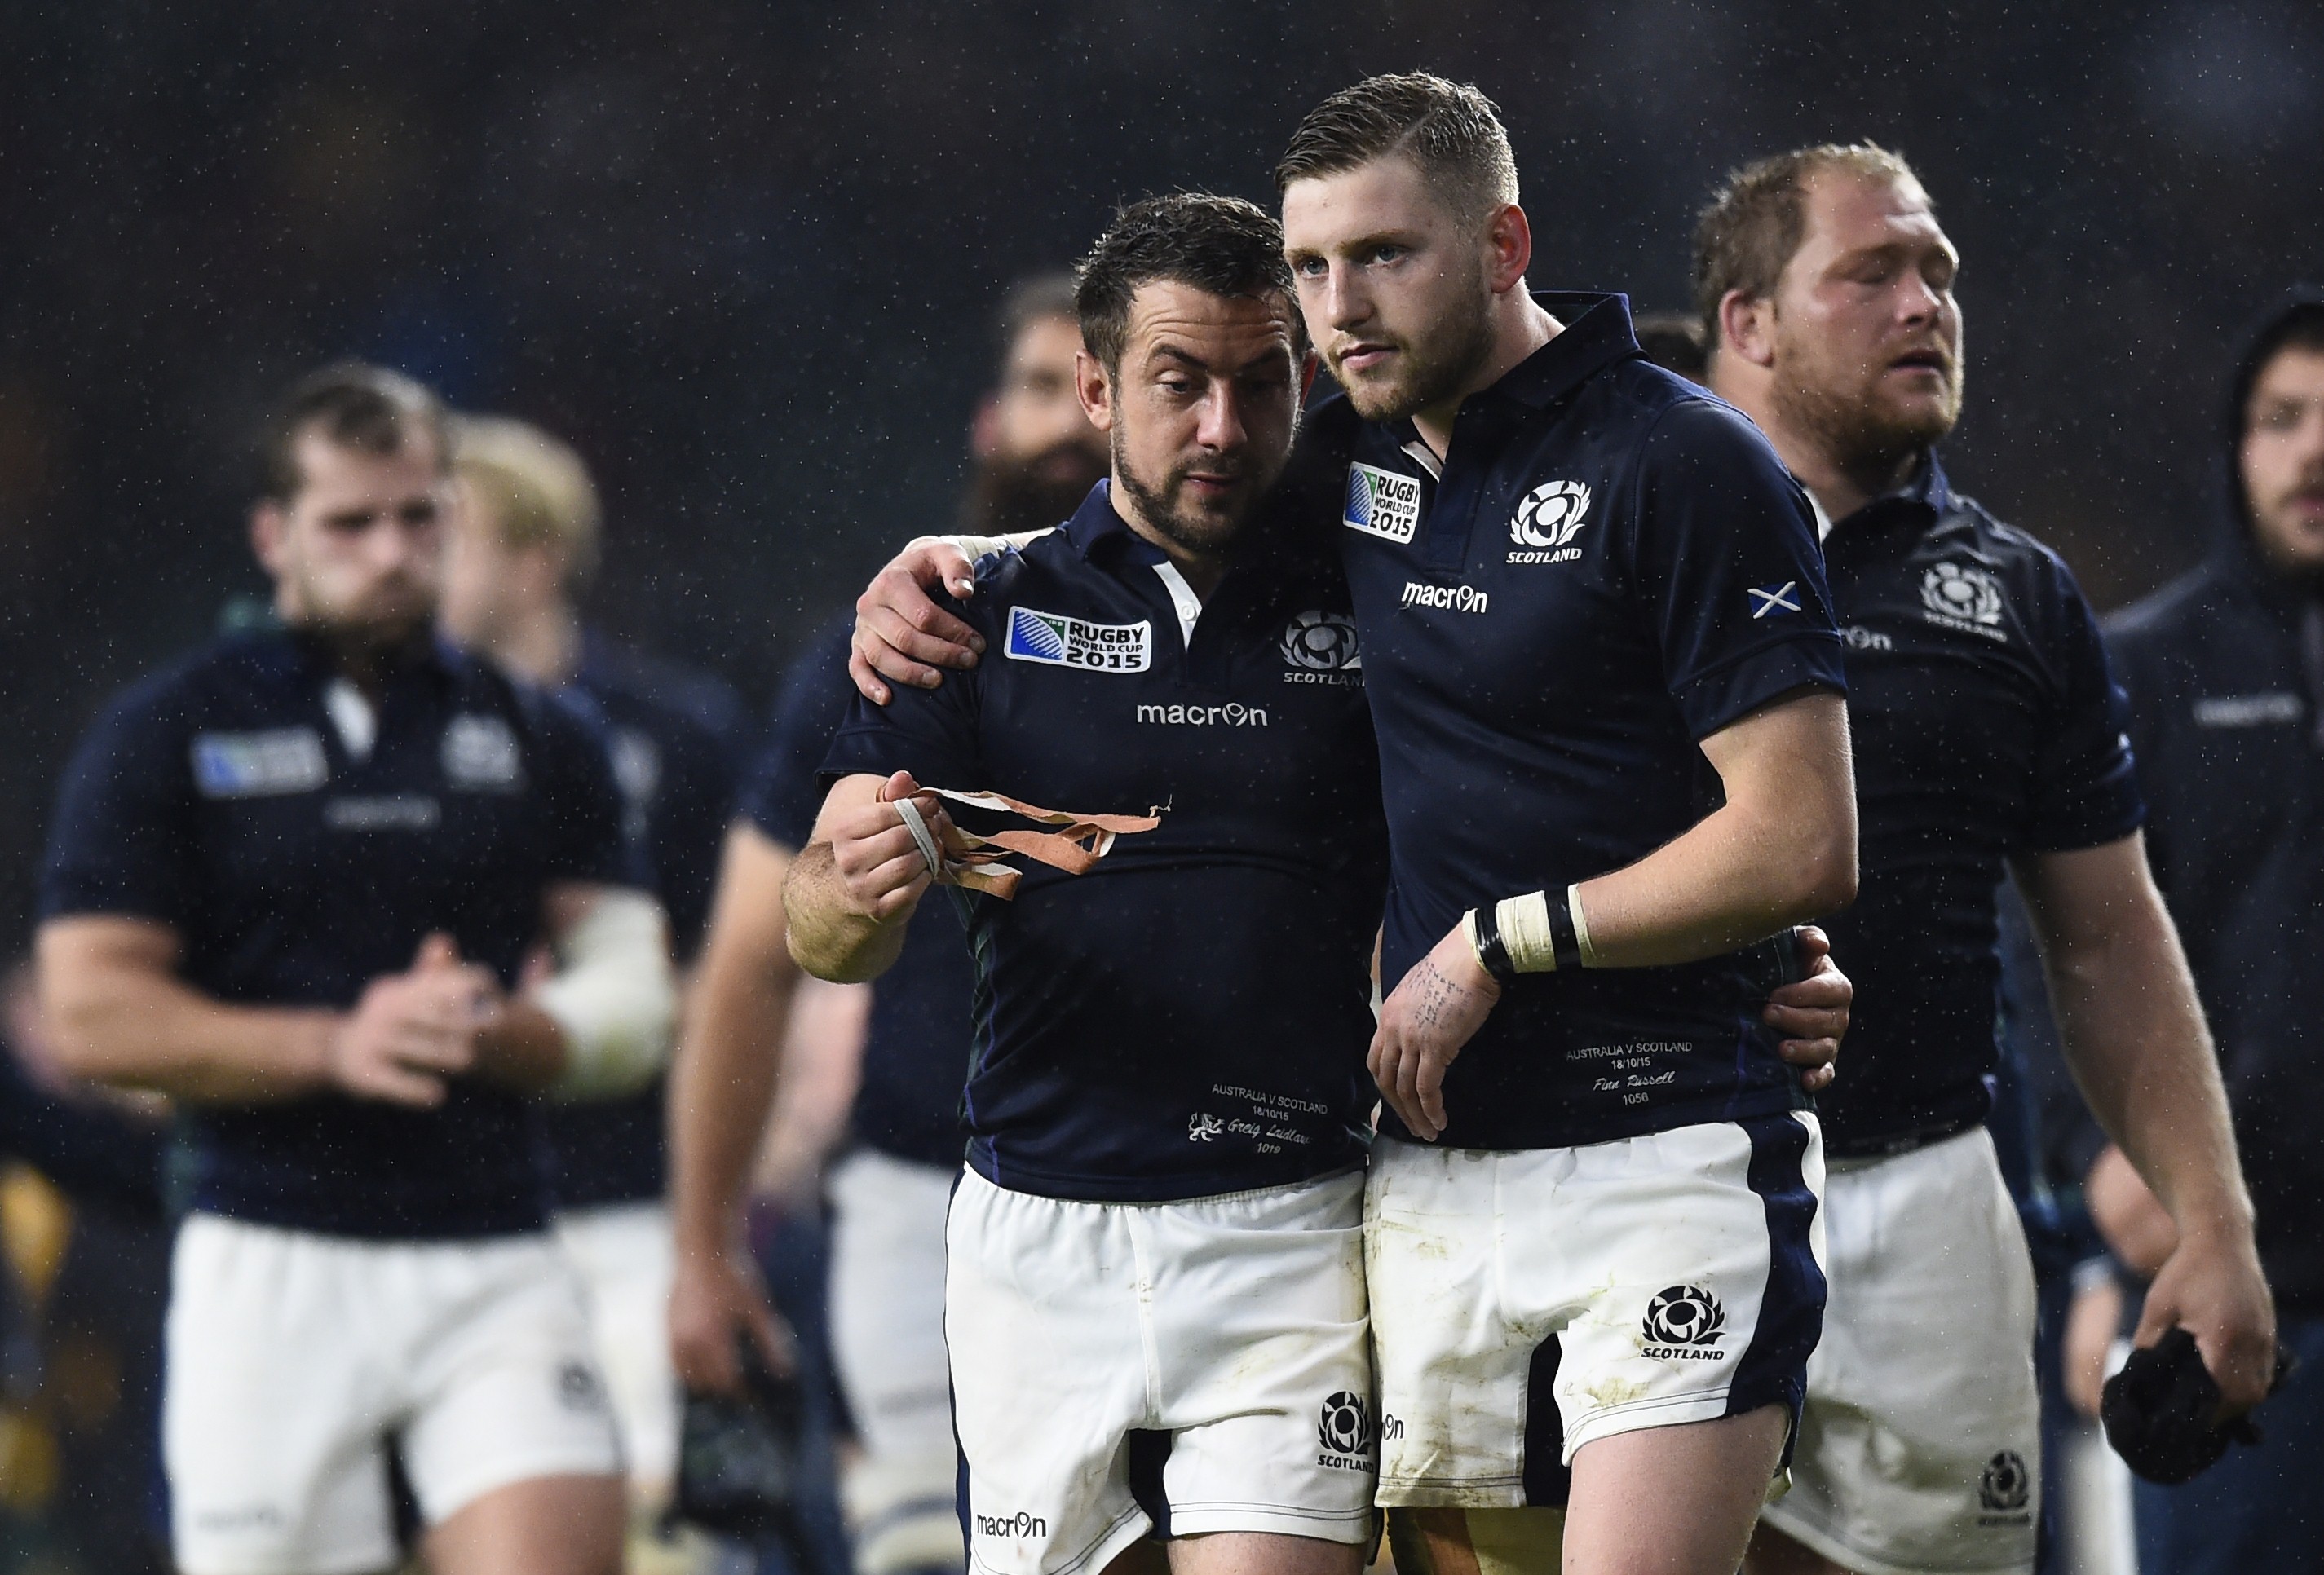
[{"x": 1854, "y": 411}]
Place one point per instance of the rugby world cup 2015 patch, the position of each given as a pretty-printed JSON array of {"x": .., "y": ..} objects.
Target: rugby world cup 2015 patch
[
  {"x": 1381, "y": 503},
  {"x": 259, "y": 765},
  {"x": 1056, "y": 640}
]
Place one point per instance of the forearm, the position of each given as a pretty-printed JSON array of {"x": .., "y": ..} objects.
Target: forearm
[
  {"x": 828, "y": 936},
  {"x": 1733, "y": 878},
  {"x": 133, "y": 1030},
  {"x": 722, "y": 1086},
  {"x": 2134, "y": 1038}
]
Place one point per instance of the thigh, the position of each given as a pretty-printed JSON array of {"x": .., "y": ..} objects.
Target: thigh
[
  {"x": 1672, "y": 1500},
  {"x": 547, "y": 1525},
  {"x": 1261, "y": 1352},
  {"x": 1050, "y": 1377},
  {"x": 1452, "y": 1368},
  {"x": 507, "y": 1384},
  {"x": 1260, "y": 1553},
  {"x": 275, "y": 1409},
  {"x": 625, "y": 1256},
  {"x": 1919, "y": 1442},
  {"x": 1692, "y": 1261}
]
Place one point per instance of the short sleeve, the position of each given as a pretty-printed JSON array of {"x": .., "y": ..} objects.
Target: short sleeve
[
  {"x": 587, "y": 839},
  {"x": 2084, "y": 791},
  {"x": 1726, "y": 560},
  {"x": 122, "y": 839},
  {"x": 780, "y": 794},
  {"x": 930, "y": 732}
]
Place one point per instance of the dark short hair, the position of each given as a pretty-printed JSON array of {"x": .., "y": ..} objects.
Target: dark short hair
[
  {"x": 1674, "y": 341},
  {"x": 353, "y": 406},
  {"x": 1221, "y": 245},
  {"x": 1450, "y": 129},
  {"x": 1034, "y": 299},
  {"x": 1752, "y": 229}
]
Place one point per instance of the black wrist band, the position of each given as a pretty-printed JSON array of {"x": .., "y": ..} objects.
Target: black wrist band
[
  {"x": 1491, "y": 952},
  {"x": 1564, "y": 943}
]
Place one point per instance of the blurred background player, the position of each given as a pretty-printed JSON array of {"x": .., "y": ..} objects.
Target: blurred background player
[
  {"x": 1035, "y": 456},
  {"x": 2225, "y": 669},
  {"x": 1674, "y": 341},
  {"x": 524, "y": 544},
  {"x": 1987, "y": 729},
  {"x": 295, "y": 883}
]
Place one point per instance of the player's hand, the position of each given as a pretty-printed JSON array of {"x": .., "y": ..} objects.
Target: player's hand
[
  {"x": 715, "y": 1301},
  {"x": 2212, "y": 1287},
  {"x": 1435, "y": 1010},
  {"x": 410, "y": 1031},
  {"x": 901, "y": 634},
  {"x": 1813, "y": 1013},
  {"x": 881, "y": 867}
]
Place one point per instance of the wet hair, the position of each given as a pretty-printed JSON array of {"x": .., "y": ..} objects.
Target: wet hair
[
  {"x": 1221, "y": 246},
  {"x": 1754, "y": 226},
  {"x": 350, "y": 405},
  {"x": 539, "y": 490},
  {"x": 1450, "y": 129}
]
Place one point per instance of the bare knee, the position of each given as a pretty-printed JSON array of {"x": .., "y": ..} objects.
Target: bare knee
[
  {"x": 547, "y": 1525},
  {"x": 1476, "y": 1542}
]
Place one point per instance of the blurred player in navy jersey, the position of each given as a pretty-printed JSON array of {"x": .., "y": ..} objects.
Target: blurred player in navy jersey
[
  {"x": 524, "y": 542},
  {"x": 296, "y": 882},
  {"x": 1035, "y": 456},
  {"x": 1988, "y": 730}
]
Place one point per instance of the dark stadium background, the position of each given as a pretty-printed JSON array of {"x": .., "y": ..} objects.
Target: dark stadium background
[{"x": 743, "y": 252}]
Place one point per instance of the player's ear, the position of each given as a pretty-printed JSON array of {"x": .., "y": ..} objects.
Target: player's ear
[
  {"x": 984, "y": 428},
  {"x": 1509, "y": 249},
  {"x": 1746, "y": 324},
  {"x": 269, "y": 524},
  {"x": 1094, "y": 388}
]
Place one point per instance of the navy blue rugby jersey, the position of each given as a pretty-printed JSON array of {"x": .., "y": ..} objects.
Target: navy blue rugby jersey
[
  {"x": 1986, "y": 726},
  {"x": 916, "y": 1044},
  {"x": 1611, "y": 566},
  {"x": 219, "y": 798},
  {"x": 1190, "y": 1016},
  {"x": 676, "y": 740}
]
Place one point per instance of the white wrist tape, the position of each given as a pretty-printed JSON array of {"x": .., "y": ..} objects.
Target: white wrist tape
[
  {"x": 616, "y": 998},
  {"x": 1525, "y": 933}
]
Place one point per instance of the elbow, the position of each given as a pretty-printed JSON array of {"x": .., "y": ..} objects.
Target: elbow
[{"x": 1822, "y": 876}]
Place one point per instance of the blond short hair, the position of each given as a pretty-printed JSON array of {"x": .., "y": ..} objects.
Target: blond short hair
[
  {"x": 538, "y": 488},
  {"x": 1754, "y": 227}
]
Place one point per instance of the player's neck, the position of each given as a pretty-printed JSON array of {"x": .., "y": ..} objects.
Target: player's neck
[
  {"x": 542, "y": 643},
  {"x": 1841, "y": 481},
  {"x": 1521, "y": 326}
]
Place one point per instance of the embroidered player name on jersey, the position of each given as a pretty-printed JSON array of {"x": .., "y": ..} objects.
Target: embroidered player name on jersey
[
  {"x": 1055, "y": 640},
  {"x": 259, "y": 765},
  {"x": 1381, "y": 503}
]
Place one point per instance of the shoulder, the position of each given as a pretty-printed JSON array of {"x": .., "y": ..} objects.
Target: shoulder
[
  {"x": 2011, "y": 549},
  {"x": 202, "y": 685},
  {"x": 1675, "y": 424},
  {"x": 682, "y": 703},
  {"x": 2162, "y": 616}
]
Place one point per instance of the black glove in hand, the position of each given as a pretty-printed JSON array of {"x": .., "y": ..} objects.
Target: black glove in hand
[{"x": 2159, "y": 1410}]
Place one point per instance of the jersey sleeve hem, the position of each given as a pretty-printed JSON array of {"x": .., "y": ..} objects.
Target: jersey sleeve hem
[{"x": 1716, "y": 698}]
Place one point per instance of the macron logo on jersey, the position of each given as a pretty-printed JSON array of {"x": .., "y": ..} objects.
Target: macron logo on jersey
[
  {"x": 1381, "y": 503},
  {"x": 1055, "y": 640}
]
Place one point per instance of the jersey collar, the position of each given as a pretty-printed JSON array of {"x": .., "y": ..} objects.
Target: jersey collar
[
  {"x": 1598, "y": 334},
  {"x": 1924, "y": 500}
]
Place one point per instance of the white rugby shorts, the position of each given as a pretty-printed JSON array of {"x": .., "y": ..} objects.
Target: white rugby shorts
[
  {"x": 1526, "y": 1302},
  {"x": 888, "y": 1343},
  {"x": 1920, "y": 1451},
  {"x": 292, "y": 1357},
  {"x": 1182, "y": 1367},
  {"x": 627, "y": 1260}
]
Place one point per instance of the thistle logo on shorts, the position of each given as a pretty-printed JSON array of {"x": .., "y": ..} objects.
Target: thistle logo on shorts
[
  {"x": 1964, "y": 597},
  {"x": 1683, "y": 1324},
  {"x": 577, "y": 1388},
  {"x": 1020, "y": 1525},
  {"x": 1549, "y": 517},
  {"x": 1318, "y": 645},
  {"x": 1381, "y": 503},
  {"x": 1055, "y": 640},
  {"x": 1345, "y": 1430},
  {"x": 2004, "y": 1489}
]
